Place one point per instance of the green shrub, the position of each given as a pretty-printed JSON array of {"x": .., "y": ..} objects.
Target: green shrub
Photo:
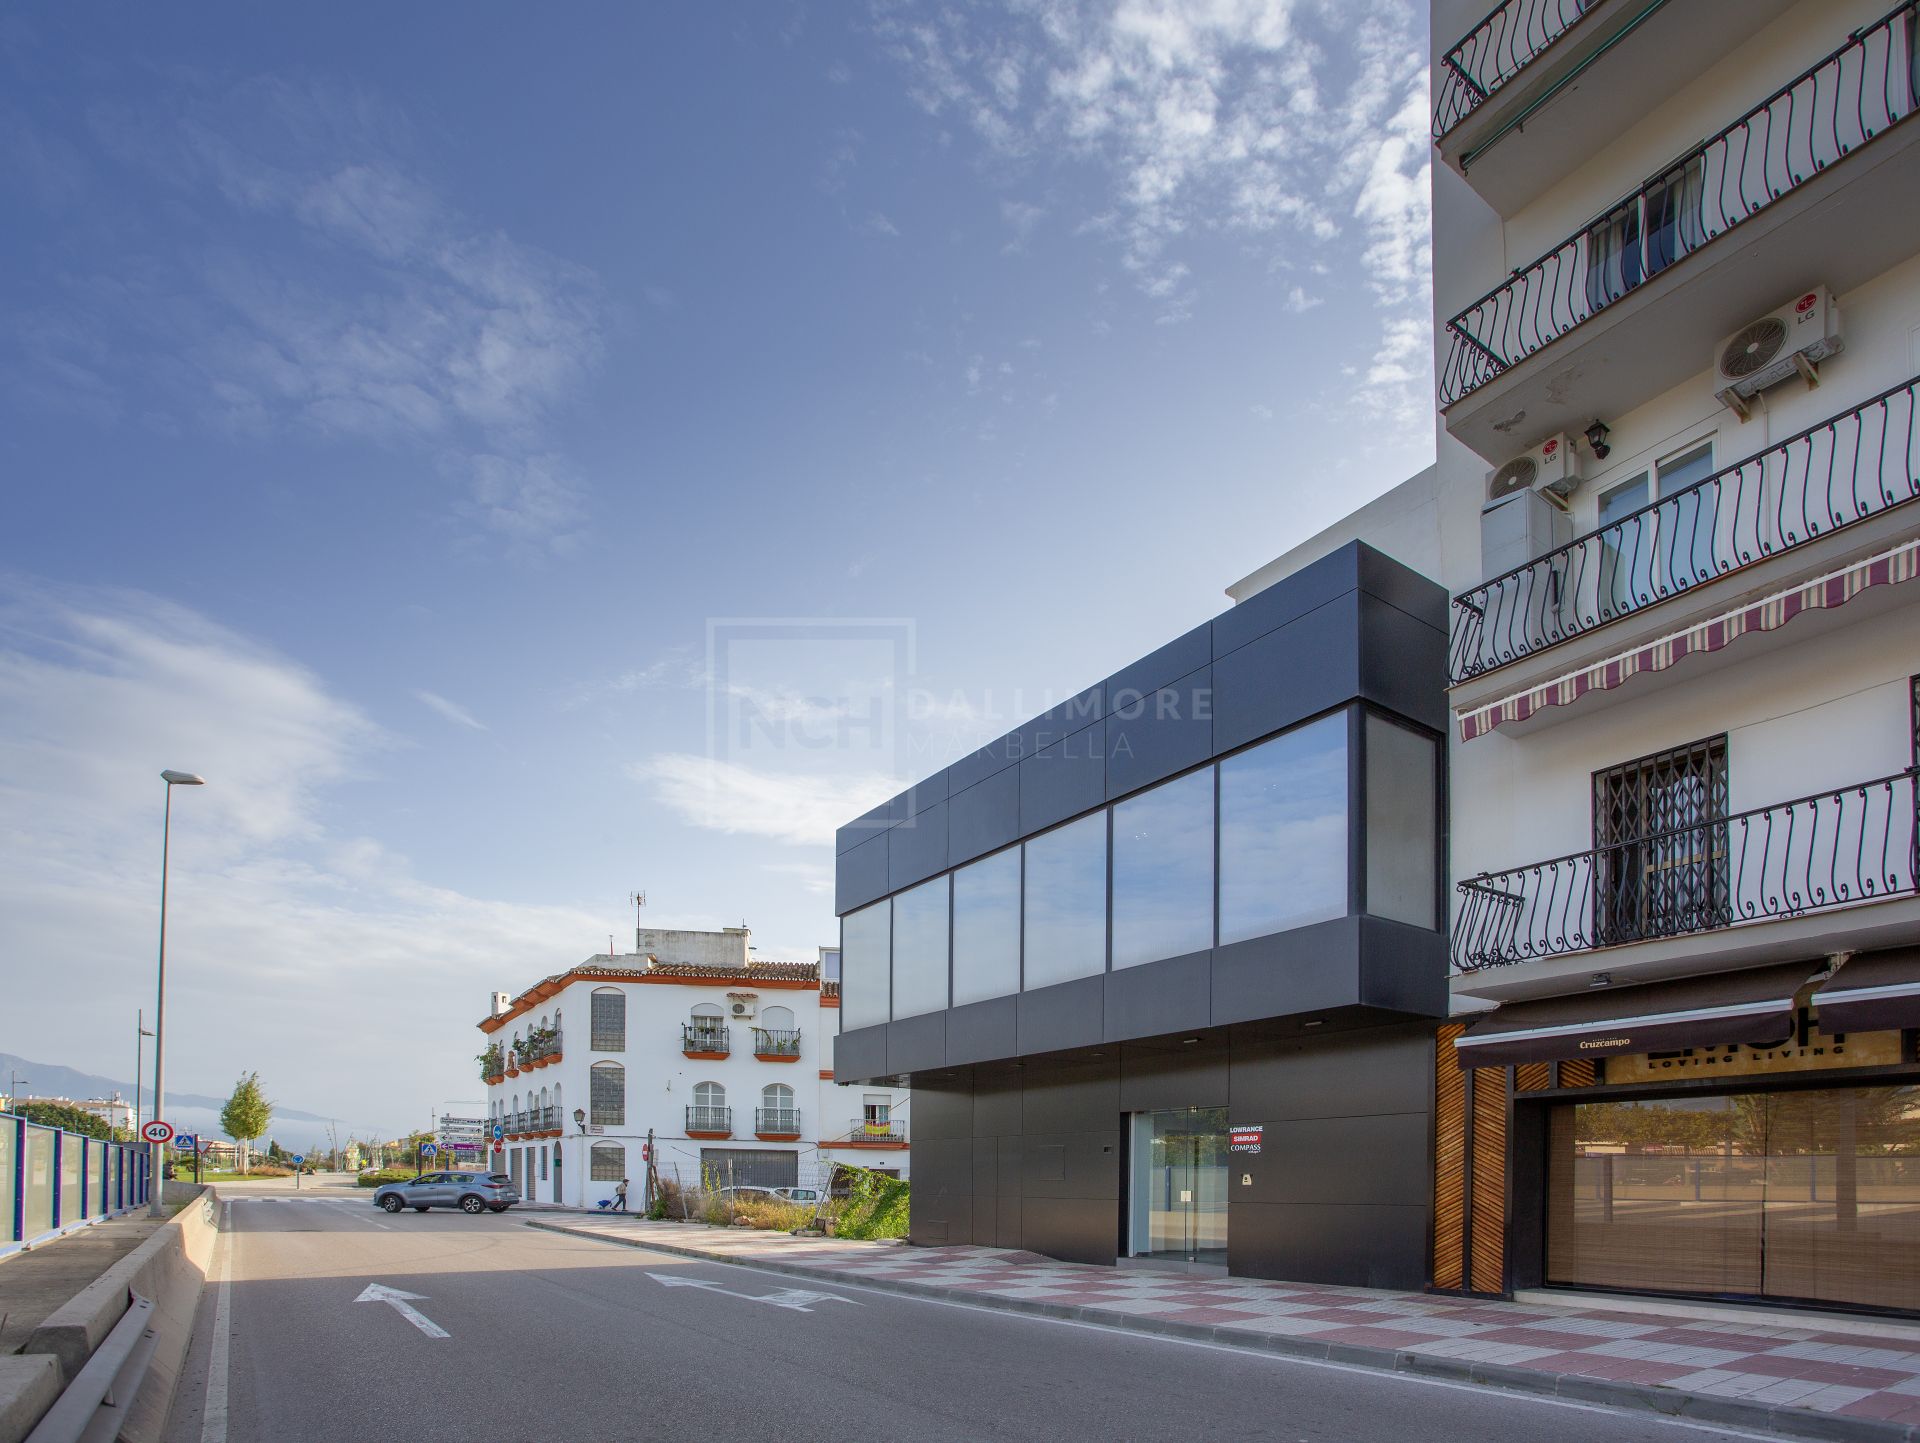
[
  {"x": 876, "y": 1206},
  {"x": 386, "y": 1175},
  {"x": 774, "y": 1213}
]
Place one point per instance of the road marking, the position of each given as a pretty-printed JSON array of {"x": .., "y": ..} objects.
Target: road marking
[
  {"x": 402, "y": 1303},
  {"x": 800, "y": 1300},
  {"x": 213, "y": 1424}
]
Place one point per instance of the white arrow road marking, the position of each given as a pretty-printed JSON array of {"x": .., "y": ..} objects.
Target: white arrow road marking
[
  {"x": 800, "y": 1300},
  {"x": 402, "y": 1303}
]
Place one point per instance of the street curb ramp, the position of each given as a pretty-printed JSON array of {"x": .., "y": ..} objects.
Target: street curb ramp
[
  {"x": 170, "y": 1268},
  {"x": 1780, "y": 1419}
]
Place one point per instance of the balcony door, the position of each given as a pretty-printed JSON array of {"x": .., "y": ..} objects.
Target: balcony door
[
  {"x": 1660, "y": 844},
  {"x": 1178, "y": 1205},
  {"x": 1652, "y": 551}
]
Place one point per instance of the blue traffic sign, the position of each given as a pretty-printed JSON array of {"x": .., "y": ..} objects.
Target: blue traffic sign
[
  {"x": 298, "y": 1158},
  {"x": 427, "y": 1149},
  {"x": 185, "y": 1141},
  {"x": 498, "y": 1132}
]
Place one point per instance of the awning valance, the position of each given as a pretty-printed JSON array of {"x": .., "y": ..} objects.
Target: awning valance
[
  {"x": 1754, "y": 1006},
  {"x": 1836, "y": 588},
  {"x": 1875, "y": 992}
]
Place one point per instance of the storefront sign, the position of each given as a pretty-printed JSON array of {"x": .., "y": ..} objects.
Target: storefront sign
[
  {"x": 1244, "y": 1139},
  {"x": 1817, "y": 1052}
]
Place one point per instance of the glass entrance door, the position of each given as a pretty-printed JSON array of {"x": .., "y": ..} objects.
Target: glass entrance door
[{"x": 1179, "y": 1186}]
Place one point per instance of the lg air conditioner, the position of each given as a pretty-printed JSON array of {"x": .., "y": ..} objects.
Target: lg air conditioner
[
  {"x": 1792, "y": 340},
  {"x": 742, "y": 1006}
]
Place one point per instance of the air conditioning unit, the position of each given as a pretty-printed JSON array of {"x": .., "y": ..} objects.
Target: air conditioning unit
[
  {"x": 1552, "y": 467},
  {"x": 1791, "y": 341},
  {"x": 742, "y": 1005}
]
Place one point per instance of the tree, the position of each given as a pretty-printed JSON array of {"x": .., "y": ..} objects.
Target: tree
[
  {"x": 73, "y": 1119},
  {"x": 247, "y": 1114}
]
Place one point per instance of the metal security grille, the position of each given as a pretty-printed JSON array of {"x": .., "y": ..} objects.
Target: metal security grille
[
  {"x": 1660, "y": 844},
  {"x": 607, "y": 1106},
  {"x": 750, "y": 1167},
  {"x": 606, "y": 1162},
  {"x": 609, "y": 1029}
]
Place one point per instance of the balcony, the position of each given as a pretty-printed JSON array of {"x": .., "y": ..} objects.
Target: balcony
[
  {"x": 1849, "y": 468},
  {"x": 710, "y": 1122},
  {"x": 707, "y": 1044},
  {"x": 869, "y": 1132},
  {"x": 539, "y": 1049},
  {"x": 1540, "y": 86},
  {"x": 776, "y": 1124},
  {"x": 776, "y": 1044},
  {"x": 1841, "y": 848},
  {"x": 493, "y": 1064},
  {"x": 1821, "y": 179}
]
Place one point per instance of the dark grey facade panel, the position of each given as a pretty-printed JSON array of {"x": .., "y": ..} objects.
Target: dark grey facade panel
[
  {"x": 1288, "y": 599},
  {"x": 866, "y": 826},
  {"x": 1180, "y": 657},
  {"x": 1308, "y": 969},
  {"x": 1333, "y": 1243},
  {"x": 1158, "y": 997},
  {"x": 1067, "y": 1014},
  {"x": 1064, "y": 779},
  {"x": 1159, "y": 732},
  {"x": 917, "y": 848},
  {"x": 915, "y": 1042},
  {"x": 984, "y": 817},
  {"x": 1054, "y": 725},
  {"x": 1389, "y": 636},
  {"x": 861, "y": 1055},
  {"x": 860, "y": 874},
  {"x": 1299, "y": 670},
  {"x": 981, "y": 1031},
  {"x": 1401, "y": 586}
]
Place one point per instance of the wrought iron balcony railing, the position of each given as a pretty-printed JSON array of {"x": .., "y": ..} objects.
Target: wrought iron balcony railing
[
  {"x": 865, "y": 1129},
  {"x": 540, "y": 1045},
  {"x": 705, "y": 1039},
  {"x": 776, "y": 1119},
  {"x": 1495, "y": 51},
  {"x": 776, "y": 1042},
  {"x": 493, "y": 1063},
  {"x": 1845, "y": 469},
  {"x": 1823, "y": 115},
  {"x": 1832, "y": 849},
  {"x": 709, "y": 1119}
]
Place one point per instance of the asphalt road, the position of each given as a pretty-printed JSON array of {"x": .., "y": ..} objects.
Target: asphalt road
[{"x": 519, "y": 1334}]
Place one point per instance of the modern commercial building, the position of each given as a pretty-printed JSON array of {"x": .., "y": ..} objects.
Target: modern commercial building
[
  {"x": 1164, "y": 964},
  {"x": 726, "y": 1061},
  {"x": 1676, "y": 465}
]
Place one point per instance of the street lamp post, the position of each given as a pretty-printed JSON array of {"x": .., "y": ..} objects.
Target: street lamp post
[
  {"x": 157, "y": 1164},
  {"x": 140, "y": 1034}
]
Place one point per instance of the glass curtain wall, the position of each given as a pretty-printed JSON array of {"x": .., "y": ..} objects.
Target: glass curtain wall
[
  {"x": 865, "y": 958},
  {"x": 1065, "y": 926},
  {"x": 920, "y": 949},
  {"x": 986, "y": 928},
  {"x": 1283, "y": 832},
  {"x": 1163, "y": 871}
]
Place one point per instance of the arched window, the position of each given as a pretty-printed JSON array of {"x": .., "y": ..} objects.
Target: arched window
[
  {"x": 606, "y": 1162},
  {"x": 516, "y": 1103},
  {"x": 544, "y": 1099},
  {"x": 777, "y": 1019},
  {"x": 609, "y": 1028},
  {"x": 708, "y": 1018},
  {"x": 709, "y": 1111},
  {"x": 709, "y": 1094},
  {"x": 558, "y": 1105},
  {"x": 776, "y": 1094},
  {"x": 607, "y": 1102}
]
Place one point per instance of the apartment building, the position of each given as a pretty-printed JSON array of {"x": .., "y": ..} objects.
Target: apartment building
[
  {"x": 726, "y": 1061},
  {"x": 1677, "y": 295}
]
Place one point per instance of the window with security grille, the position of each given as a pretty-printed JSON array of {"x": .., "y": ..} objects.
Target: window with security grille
[
  {"x": 1660, "y": 844},
  {"x": 609, "y": 1026},
  {"x": 606, "y": 1162},
  {"x": 608, "y": 1100}
]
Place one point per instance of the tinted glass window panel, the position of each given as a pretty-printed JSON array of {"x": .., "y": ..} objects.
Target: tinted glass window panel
[
  {"x": 1402, "y": 806},
  {"x": 864, "y": 958},
  {"x": 1283, "y": 832},
  {"x": 986, "y": 928},
  {"x": 1163, "y": 871},
  {"x": 1066, "y": 903},
  {"x": 920, "y": 949},
  {"x": 609, "y": 1023}
]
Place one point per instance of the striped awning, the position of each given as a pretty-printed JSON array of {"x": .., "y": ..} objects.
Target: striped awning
[{"x": 1823, "y": 593}]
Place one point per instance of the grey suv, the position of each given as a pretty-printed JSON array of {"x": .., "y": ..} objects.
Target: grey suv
[{"x": 471, "y": 1192}]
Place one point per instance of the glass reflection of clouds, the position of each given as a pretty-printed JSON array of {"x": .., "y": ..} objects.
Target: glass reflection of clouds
[
  {"x": 1283, "y": 832},
  {"x": 986, "y": 928},
  {"x": 920, "y": 949},
  {"x": 1066, "y": 902},
  {"x": 863, "y": 966},
  {"x": 1163, "y": 871}
]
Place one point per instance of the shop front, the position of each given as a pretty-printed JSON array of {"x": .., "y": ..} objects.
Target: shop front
[{"x": 1747, "y": 1137}]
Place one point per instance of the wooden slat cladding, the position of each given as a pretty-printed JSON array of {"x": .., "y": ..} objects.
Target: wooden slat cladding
[
  {"x": 1487, "y": 1269},
  {"x": 1533, "y": 1077},
  {"x": 1579, "y": 1072},
  {"x": 1449, "y": 1163}
]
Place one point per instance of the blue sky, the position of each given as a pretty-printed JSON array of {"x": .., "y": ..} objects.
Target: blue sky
[{"x": 513, "y": 454}]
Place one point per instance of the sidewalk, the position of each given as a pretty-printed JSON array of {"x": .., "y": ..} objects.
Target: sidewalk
[
  {"x": 1799, "y": 1381},
  {"x": 39, "y": 1280}
]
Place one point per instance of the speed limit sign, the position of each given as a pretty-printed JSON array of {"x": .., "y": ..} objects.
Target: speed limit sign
[{"x": 157, "y": 1131}]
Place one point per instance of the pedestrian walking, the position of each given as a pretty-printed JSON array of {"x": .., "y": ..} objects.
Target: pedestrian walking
[{"x": 620, "y": 1197}]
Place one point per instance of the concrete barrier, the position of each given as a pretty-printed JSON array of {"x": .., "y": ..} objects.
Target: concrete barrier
[{"x": 170, "y": 1267}]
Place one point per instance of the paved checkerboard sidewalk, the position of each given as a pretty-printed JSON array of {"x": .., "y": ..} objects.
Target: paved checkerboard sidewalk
[{"x": 1763, "y": 1372}]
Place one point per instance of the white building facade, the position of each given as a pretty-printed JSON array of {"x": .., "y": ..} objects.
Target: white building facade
[
  {"x": 724, "y": 1061},
  {"x": 1677, "y": 346}
]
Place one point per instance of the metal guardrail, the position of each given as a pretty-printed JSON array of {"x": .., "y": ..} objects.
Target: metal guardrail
[
  {"x": 94, "y": 1405},
  {"x": 776, "y": 1042},
  {"x": 709, "y": 1119},
  {"x": 1844, "y": 469},
  {"x": 776, "y": 1119},
  {"x": 705, "y": 1039},
  {"x": 1511, "y": 36},
  {"x": 1831, "y": 849},
  {"x": 861, "y": 1130},
  {"x": 1815, "y": 120}
]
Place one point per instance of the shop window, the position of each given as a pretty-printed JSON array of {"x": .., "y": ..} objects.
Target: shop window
[{"x": 1660, "y": 844}]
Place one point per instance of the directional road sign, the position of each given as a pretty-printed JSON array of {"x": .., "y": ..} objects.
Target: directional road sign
[
  {"x": 157, "y": 1131},
  {"x": 499, "y": 1132}
]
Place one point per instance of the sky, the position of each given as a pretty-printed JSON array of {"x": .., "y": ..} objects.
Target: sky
[{"x": 523, "y": 457}]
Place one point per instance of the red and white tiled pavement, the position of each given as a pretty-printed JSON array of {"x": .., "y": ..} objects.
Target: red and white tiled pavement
[{"x": 1796, "y": 1363}]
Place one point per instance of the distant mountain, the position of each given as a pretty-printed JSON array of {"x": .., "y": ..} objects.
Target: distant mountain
[{"x": 187, "y": 1111}]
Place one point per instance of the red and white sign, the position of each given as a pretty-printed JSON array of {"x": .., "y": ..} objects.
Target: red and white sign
[
  {"x": 1245, "y": 1139},
  {"x": 157, "y": 1131}
]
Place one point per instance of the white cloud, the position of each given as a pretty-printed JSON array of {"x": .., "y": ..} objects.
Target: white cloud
[
  {"x": 1299, "y": 302},
  {"x": 451, "y": 710},
  {"x": 289, "y": 940},
  {"x": 878, "y": 224},
  {"x": 723, "y": 796}
]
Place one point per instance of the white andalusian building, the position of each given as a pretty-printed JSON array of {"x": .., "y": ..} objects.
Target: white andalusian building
[{"x": 726, "y": 1061}]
